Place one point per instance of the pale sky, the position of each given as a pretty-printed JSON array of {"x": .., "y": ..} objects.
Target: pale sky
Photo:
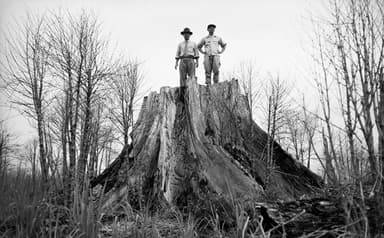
[{"x": 271, "y": 33}]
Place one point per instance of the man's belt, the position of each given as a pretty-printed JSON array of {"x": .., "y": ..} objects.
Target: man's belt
[{"x": 187, "y": 57}]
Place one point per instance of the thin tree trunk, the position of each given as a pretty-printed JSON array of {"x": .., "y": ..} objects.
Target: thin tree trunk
[
  {"x": 74, "y": 118},
  {"x": 34, "y": 170},
  {"x": 381, "y": 125},
  {"x": 85, "y": 137},
  {"x": 64, "y": 143},
  {"x": 330, "y": 170},
  {"x": 42, "y": 152}
]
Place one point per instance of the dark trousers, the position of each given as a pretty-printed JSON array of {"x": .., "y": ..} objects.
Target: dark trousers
[
  {"x": 187, "y": 68},
  {"x": 211, "y": 64}
]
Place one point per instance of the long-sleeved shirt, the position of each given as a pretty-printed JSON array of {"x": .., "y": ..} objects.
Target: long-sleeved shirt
[
  {"x": 211, "y": 44},
  {"x": 187, "y": 49}
]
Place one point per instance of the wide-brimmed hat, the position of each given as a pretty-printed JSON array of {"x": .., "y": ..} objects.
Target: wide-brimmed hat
[
  {"x": 211, "y": 25},
  {"x": 186, "y": 31}
]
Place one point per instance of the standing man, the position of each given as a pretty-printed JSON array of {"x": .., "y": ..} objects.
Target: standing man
[
  {"x": 187, "y": 53},
  {"x": 213, "y": 47}
]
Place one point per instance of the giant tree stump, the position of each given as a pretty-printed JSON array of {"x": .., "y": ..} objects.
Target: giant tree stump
[{"x": 200, "y": 140}]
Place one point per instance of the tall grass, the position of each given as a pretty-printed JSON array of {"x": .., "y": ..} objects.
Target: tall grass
[{"x": 27, "y": 212}]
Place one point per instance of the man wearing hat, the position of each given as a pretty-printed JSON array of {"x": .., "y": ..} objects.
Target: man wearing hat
[
  {"x": 213, "y": 47},
  {"x": 187, "y": 53}
]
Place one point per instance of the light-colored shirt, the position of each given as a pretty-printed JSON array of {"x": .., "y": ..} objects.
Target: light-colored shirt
[
  {"x": 211, "y": 44},
  {"x": 187, "y": 48}
]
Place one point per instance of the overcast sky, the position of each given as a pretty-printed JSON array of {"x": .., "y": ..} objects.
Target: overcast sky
[{"x": 271, "y": 33}]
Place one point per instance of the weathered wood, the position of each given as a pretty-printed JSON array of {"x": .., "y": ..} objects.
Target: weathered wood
[
  {"x": 109, "y": 177},
  {"x": 203, "y": 138},
  {"x": 318, "y": 217}
]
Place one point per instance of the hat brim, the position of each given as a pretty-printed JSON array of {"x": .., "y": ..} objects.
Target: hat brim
[{"x": 186, "y": 32}]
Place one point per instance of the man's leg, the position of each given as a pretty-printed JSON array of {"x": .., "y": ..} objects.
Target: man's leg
[
  {"x": 208, "y": 69},
  {"x": 183, "y": 73},
  {"x": 191, "y": 69},
  {"x": 215, "y": 68}
]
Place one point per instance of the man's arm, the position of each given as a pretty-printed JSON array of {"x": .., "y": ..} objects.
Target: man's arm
[
  {"x": 196, "y": 55},
  {"x": 177, "y": 56},
  {"x": 200, "y": 46},
  {"x": 223, "y": 45}
]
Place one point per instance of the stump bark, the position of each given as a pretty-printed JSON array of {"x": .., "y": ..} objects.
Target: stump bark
[{"x": 198, "y": 140}]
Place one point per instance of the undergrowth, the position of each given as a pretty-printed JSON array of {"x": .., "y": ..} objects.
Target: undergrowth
[{"x": 27, "y": 212}]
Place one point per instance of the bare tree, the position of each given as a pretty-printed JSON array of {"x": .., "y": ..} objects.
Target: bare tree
[
  {"x": 324, "y": 84},
  {"x": 380, "y": 119},
  {"x": 58, "y": 119},
  {"x": 25, "y": 74},
  {"x": 7, "y": 147},
  {"x": 310, "y": 124},
  {"x": 66, "y": 34},
  {"x": 297, "y": 132},
  {"x": 125, "y": 93},
  {"x": 351, "y": 54},
  {"x": 82, "y": 66},
  {"x": 360, "y": 50},
  {"x": 276, "y": 92},
  {"x": 250, "y": 84},
  {"x": 30, "y": 154},
  {"x": 103, "y": 138}
]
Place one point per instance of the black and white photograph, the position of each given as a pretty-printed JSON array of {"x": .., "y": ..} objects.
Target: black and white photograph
[{"x": 192, "y": 119}]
